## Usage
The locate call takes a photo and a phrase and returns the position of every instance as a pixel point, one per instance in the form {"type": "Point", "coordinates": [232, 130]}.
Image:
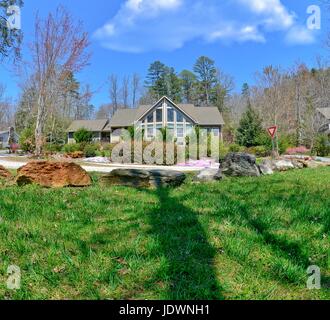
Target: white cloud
{"type": "Point", "coordinates": [300, 35]}
{"type": "Point", "coordinates": [146, 25]}
{"type": "Point", "coordinates": [273, 13]}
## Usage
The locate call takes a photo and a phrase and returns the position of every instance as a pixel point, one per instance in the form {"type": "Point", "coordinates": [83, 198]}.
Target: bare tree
{"type": "Point", "coordinates": [105, 111]}
{"type": "Point", "coordinates": [59, 48]}
{"type": "Point", "coordinates": [7, 110]}
{"type": "Point", "coordinates": [125, 91]}
{"type": "Point", "coordinates": [114, 91]}
{"type": "Point", "coordinates": [136, 81]}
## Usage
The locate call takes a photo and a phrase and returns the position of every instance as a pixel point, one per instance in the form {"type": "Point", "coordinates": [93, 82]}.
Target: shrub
{"type": "Point", "coordinates": [286, 142]}
{"type": "Point", "coordinates": [259, 151]}
{"type": "Point", "coordinates": [250, 128]}
{"type": "Point", "coordinates": [52, 147]}
{"type": "Point", "coordinates": [73, 147]}
{"type": "Point", "coordinates": [27, 140]}
{"type": "Point", "coordinates": [235, 148]}
{"type": "Point", "coordinates": [83, 135]}
{"type": "Point", "coordinates": [322, 145]}
{"type": "Point", "coordinates": [90, 150]}
{"type": "Point", "coordinates": [298, 150]}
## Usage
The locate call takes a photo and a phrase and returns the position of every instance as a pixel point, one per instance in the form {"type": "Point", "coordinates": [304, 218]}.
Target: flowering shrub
{"type": "Point", "coordinates": [297, 150]}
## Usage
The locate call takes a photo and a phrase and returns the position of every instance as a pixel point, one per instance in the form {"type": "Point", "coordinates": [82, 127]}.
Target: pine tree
{"type": "Point", "coordinates": [188, 84]}
{"type": "Point", "coordinates": [10, 39]}
{"type": "Point", "coordinates": [207, 76]}
{"type": "Point", "coordinates": [250, 128]}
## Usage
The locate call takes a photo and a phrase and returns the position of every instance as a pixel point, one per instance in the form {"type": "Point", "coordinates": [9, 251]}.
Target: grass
{"type": "Point", "coordinates": [249, 238]}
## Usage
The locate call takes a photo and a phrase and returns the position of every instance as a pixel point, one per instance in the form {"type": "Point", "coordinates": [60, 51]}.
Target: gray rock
{"type": "Point", "coordinates": [240, 165]}
{"type": "Point", "coordinates": [283, 165]}
{"type": "Point", "coordinates": [209, 175]}
{"type": "Point", "coordinates": [298, 164]}
{"type": "Point", "coordinates": [266, 167]}
{"type": "Point", "coordinates": [143, 178]}
{"type": "Point", "coordinates": [322, 159]}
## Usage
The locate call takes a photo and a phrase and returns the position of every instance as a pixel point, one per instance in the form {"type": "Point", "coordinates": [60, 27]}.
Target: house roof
{"type": "Point", "coordinates": [207, 116]}
{"type": "Point", "coordinates": [325, 112]}
{"type": "Point", "coordinates": [126, 117]}
{"type": "Point", "coordinates": [90, 125]}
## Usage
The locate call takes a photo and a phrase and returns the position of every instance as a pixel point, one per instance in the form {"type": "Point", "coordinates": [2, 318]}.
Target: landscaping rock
{"type": "Point", "coordinates": [4, 173]}
{"type": "Point", "coordinates": [53, 175]}
{"type": "Point", "coordinates": [266, 167]}
{"type": "Point", "coordinates": [314, 164]}
{"type": "Point", "coordinates": [298, 164]}
{"type": "Point", "coordinates": [143, 178]}
{"type": "Point", "coordinates": [283, 165]}
{"type": "Point", "coordinates": [240, 165]}
{"type": "Point", "coordinates": [209, 175]}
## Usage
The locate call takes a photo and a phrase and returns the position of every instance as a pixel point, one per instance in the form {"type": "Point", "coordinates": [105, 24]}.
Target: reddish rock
{"type": "Point", "coordinates": [4, 173]}
{"type": "Point", "coordinates": [53, 175]}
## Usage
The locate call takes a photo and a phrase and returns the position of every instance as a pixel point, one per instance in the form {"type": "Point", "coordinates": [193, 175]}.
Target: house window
{"type": "Point", "coordinates": [216, 132]}
{"type": "Point", "coordinates": [179, 131]}
{"type": "Point", "coordinates": [179, 117]}
{"type": "Point", "coordinates": [150, 132]}
{"type": "Point", "coordinates": [159, 115]}
{"type": "Point", "coordinates": [170, 115]}
{"type": "Point", "coordinates": [189, 129]}
{"type": "Point", "coordinates": [150, 118]}
{"type": "Point", "coordinates": [70, 136]}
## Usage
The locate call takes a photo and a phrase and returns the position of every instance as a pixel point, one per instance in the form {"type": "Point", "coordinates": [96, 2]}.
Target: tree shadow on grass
{"type": "Point", "coordinates": [182, 241]}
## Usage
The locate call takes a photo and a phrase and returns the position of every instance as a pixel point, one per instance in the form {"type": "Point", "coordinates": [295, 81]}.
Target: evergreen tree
{"type": "Point", "coordinates": [10, 39]}
{"type": "Point", "coordinates": [189, 85]}
{"type": "Point", "coordinates": [250, 128]}
{"type": "Point", "coordinates": [207, 76]}
{"type": "Point", "coordinates": [155, 79]}
{"type": "Point", "coordinates": [163, 81]}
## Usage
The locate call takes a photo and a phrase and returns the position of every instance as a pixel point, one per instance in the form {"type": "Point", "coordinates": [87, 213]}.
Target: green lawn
{"type": "Point", "coordinates": [243, 238]}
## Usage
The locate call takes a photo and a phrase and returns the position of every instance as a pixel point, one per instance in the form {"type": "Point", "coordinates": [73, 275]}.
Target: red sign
{"type": "Point", "coordinates": [272, 131]}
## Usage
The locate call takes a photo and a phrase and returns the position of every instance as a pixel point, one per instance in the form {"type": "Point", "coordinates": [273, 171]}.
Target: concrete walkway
{"type": "Point", "coordinates": [106, 168]}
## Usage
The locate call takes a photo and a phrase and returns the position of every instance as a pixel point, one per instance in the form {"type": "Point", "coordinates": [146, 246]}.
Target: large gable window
{"type": "Point", "coordinates": [159, 115]}
{"type": "Point", "coordinates": [170, 115]}
{"type": "Point", "coordinates": [150, 118]}
{"type": "Point", "coordinates": [179, 117]}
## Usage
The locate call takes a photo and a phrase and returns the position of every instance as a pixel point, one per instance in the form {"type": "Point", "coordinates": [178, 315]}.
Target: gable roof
{"type": "Point", "coordinates": [90, 125]}
{"type": "Point", "coordinates": [207, 116]}
{"type": "Point", "coordinates": [325, 112]}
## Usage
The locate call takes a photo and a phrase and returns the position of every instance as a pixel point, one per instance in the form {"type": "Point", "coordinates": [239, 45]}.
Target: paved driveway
{"type": "Point", "coordinates": [106, 168]}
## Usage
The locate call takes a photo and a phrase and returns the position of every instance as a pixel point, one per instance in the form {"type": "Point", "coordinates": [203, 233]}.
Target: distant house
{"type": "Point", "coordinates": [323, 115]}
{"type": "Point", "coordinates": [95, 126]}
{"type": "Point", "coordinates": [4, 138]}
{"type": "Point", "coordinates": [179, 119]}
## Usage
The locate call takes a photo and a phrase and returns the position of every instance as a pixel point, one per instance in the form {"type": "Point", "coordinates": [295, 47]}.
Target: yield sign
{"type": "Point", "coordinates": [272, 131]}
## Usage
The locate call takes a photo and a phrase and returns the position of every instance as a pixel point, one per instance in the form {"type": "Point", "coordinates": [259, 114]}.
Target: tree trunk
{"type": "Point", "coordinates": [40, 126]}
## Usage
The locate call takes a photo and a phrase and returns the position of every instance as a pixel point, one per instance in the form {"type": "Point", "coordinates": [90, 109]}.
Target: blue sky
{"type": "Point", "coordinates": [242, 36]}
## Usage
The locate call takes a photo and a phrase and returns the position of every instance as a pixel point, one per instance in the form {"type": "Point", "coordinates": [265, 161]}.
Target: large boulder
{"type": "Point", "coordinates": [143, 178]}
{"type": "Point", "coordinates": [240, 165]}
{"type": "Point", "coordinates": [4, 173]}
{"type": "Point", "coordinates": [53, 174]}
{"type": "Point", "coordinates": [266, 167]}
{"type": "Point", "coordinates": [283, 165]}
{"type": "Point", "coordinates": [209, 174]}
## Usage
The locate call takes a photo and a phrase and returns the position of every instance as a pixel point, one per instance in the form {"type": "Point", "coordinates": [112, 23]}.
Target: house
{"type": "Point", "coordinates": [323, 115]}
{"type": "Point", "coordinates": [95, 126]}
{"type": "Point", "coordinates": [179, 119]}
{"type": "Point", "coordinates": [5, 138]}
